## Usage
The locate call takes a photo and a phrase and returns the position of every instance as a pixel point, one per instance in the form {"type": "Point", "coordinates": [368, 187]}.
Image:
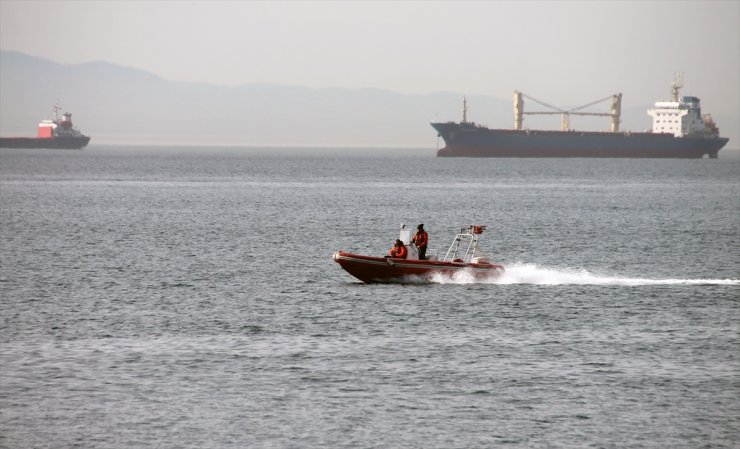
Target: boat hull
{"type": "Point", "coordinates": [469, 140]}
{"type": "Point", "coordinates": [371, 269]}
{"type": "Point", "coordinates": [55, 143]}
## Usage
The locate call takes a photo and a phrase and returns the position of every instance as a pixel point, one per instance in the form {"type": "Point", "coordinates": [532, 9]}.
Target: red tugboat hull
{"type": "Point", "coordinates": [371, 269]}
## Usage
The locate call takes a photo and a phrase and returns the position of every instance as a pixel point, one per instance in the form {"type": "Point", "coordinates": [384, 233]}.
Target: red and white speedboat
{"type": "Point", "coordinates": [462, 258]}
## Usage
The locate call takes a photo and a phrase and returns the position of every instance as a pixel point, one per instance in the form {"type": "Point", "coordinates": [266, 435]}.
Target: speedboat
{"type": "Point", "coordinates": [462, 258]}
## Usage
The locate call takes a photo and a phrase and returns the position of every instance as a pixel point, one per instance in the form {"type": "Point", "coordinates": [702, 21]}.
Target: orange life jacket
{"type": "Point", "coordinates": [399, 251]}
{"type": "Point", "coordinates": [421, 239]}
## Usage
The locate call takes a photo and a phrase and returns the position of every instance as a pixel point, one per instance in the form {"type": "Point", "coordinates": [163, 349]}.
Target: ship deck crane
{"type": "Point", "coordinates": [616, 110]}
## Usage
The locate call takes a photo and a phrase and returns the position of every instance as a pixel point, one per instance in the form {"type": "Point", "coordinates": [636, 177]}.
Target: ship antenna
{"type": "Point", "coordinates": [465, 109]}
{"type": "Point", "coordinates": [676, 85]}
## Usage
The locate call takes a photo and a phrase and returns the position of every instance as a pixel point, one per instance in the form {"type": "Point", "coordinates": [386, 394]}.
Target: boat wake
{"type": "Point", "coordinates": [527, 273]}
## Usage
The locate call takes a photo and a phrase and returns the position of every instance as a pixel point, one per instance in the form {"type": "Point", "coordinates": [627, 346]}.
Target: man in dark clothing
{"type": "Point", "coordinates": [421, 238]}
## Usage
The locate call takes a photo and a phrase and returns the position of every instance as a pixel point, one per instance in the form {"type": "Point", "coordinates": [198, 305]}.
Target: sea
{"type": "Point", "coordinates": [186, 297]}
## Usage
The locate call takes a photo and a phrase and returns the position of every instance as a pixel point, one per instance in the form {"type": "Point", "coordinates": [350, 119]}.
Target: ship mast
{"type": "Point", "coordinates": [56, 108]}
{"type": "Point", "coordinates": [676, 85]}
{"type": "Point", "coordinates": [518, 110]}
{"type": "Point", "coordinates": [465, 110]}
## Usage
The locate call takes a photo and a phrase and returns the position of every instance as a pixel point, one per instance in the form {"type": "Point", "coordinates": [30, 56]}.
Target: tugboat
{"type": "Point", "coordinates": [462, 256]}
{"type": "Point", "coordinates": [54, 134]}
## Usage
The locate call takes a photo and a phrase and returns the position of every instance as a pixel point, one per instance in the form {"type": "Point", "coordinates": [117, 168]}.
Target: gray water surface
{"type": "Point", "coordinates": [186, 297]}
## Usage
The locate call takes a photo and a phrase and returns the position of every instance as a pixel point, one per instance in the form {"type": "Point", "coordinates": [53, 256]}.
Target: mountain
{"type": "Point", "coordinates": [117, 104]}
{"type": "Point", "coordinates": [122, 105]}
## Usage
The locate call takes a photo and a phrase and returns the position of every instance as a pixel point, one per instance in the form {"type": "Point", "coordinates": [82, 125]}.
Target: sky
{"type": "Point", "coordinates": [565, 53]}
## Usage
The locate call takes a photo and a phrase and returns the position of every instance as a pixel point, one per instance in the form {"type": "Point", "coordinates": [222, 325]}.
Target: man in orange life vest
{"type": "Point", "coordinates": [398, 250]}
{"type": "Point", "coordinates": [421, 238]}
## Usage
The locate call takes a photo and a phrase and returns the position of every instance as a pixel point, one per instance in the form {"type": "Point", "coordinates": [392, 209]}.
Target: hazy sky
{"type": "Point", "coordinates": [566, 53]}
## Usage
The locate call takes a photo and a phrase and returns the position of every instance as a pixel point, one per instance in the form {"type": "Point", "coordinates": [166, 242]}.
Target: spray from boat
{"type": "Point", "coordinates": [532, 274]}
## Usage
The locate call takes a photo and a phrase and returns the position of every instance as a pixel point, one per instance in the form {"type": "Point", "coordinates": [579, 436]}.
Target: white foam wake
{"type": "Point", "coordinates": [527, 273]}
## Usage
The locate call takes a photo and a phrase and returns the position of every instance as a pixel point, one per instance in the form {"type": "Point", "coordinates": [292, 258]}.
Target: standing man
{"type": "Point", "coordinates": [421, 238]}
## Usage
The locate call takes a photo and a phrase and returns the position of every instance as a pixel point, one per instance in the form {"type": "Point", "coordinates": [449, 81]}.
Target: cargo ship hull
{"type": "Point", "coordinates": [469, 140]}
{"type": "Point", "coordinates": [57, 143]}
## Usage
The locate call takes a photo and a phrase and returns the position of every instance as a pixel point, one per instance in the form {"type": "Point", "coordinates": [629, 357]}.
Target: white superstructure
{"type": "Point", "coordinates": [682, 116]}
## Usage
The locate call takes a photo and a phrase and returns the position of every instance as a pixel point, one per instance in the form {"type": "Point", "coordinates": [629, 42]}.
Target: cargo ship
{"type": "Point", "coordinates": [55, 134]}
{"type": "Point", "coordinates": [679, 131]}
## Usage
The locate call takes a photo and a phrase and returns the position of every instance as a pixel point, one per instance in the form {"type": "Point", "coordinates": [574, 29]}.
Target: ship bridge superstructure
{"type": "Point", "coordinates": [682, 116]}
{"type": "Point", "coordinates": [57, 127]}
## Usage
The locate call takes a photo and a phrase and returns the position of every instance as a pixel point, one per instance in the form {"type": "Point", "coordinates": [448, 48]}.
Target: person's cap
{"type": "Point", "coordinates": [420, 226]}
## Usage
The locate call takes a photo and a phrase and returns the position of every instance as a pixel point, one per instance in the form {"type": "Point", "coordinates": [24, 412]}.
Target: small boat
{"type": "Point", "coordinates": [462, 258]}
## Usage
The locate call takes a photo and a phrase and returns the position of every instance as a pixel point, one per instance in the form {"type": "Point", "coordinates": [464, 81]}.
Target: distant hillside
{"type": "Point", "coordinates": [116, 104]}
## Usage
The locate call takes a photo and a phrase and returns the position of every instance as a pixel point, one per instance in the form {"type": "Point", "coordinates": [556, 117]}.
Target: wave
{"type": "Point", "coordinates": [528, 273]}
